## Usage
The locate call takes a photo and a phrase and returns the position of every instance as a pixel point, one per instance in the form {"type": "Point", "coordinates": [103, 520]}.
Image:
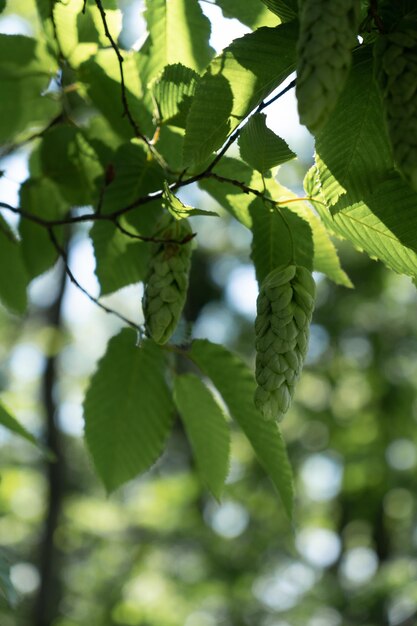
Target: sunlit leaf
{"type": "Point", "coordinates": [253, 14]}
{"type": "Point", "coordinates": [235, 82]}
{"type": "Point", "coordinates": [285, 9]}
{"type": "Point", "coordinates": [260, 147]}
{"type": "Point", "coordinates": [178, 33]}
{"type": "Point", "coordinates": [79, 33]}
{"type": "Point", "coordinates": [377, 226]}
{"type": "Point", "coordinates": [173, 91]}
{"type": "Point", "coordinates": [180, 210]}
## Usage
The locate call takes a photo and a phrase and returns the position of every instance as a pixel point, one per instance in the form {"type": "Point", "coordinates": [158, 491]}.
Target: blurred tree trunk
{"type": "Point", "coordinates": [46, 606]}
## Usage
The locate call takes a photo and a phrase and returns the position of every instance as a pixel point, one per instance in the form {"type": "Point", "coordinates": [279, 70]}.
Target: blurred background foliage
{"type": "Point", "coordinates": [162, 551]}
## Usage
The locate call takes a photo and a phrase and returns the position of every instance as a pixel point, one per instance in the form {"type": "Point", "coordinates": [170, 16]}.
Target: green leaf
{"type": "Point", "coordinates": [39, 197]}
{"type": "Point", "coordinates": [253, 14]}
{"type": "Point", "coordinates": [179, 210]}
{"type": "Point", "coordinates": [71, 162]}
{"type": "Point", "coordinates": [285, 9]}
{"type": "Point", "coordinates": [353, 150]}
{"type": "Point", "coordinates": [13, 275]}
{"type": "Point", "coordinates": [280, 237]}
{"type": "Point", "coordinates": [260, 147]}
{"type": "Point", "coordinates": [178, 33]}
{"type": "Point", "coordinates": [229, 195]}
{"type": "Point", "coordinates": [376, 225]}
{"type": "Point", "coordinates": [2, 5]}
{"type": "Point", "coordinates": [235, 82]}
{"type": "Point", "coordinates": [206, 428]}
{"type": "Point", "coordinates": [325, 259]}
{"type": "Point", "coordinates": [173, 91]}
{"type": "Point", "coordinates": [100, 78]}
{"type": "Point", "coordinates": [8, 421]}
{"type": "Point", "coordinates": [236, 384]}
{"type": "Point", "coordinates": [25, 72]}
{"type": "Point", "coordinates": [120, 259]}
{"type": "Point", "coordinates": [80, 33]}
{"type": "Point", "coordinates": [134, 175]}
{"type": "Point", "coordinates": [7, 589]}
{"type": "Point", "coordinates": [128, 409]}
{"type": "Point", "coordinates": [169, 145]}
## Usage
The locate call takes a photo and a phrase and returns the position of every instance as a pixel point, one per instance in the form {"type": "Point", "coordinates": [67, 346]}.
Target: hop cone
{"type": "Point", "coordinates": [167, 280]}
{"type": "Point", "coordinates": [284, 309]}
{"type": "Point", "coordinates": [327, 36]}
{"type": "Point", "coordinates": [396, 70]}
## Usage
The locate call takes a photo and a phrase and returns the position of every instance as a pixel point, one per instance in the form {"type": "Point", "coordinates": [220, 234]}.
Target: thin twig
{"type": "Point", "coordinates": [64, 256]}
{"type": "Point", "coordinates": [154, 195]}
{"type": "Point", "coordinates": [373, 12]}
{"type": "Point", "coordinates": [232, 138]}
{"type": "Point", "coordinates": [267, 103]}
{"type": "Point", "coordinates": [120, 59]}
{"type": "Point", "coordinates": [152, 238]}
{"type": "Point", "coordinates": [8, 150]}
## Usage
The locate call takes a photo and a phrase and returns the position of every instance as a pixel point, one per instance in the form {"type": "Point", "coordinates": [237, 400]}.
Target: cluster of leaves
{"type": "Point", "coordinates": [121, 131]}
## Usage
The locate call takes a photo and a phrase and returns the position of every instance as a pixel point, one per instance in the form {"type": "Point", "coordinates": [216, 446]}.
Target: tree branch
{"type": "Point", "coordinates": [234, 136]}
{"type": "Point", "coordinates": [9, 149]}
{"type": "Point", "coordinates": [64, 256]}
{"type": "Point", "coordinates": [142, 200]}
{"type": "Point", "coordinates": [152, 239]}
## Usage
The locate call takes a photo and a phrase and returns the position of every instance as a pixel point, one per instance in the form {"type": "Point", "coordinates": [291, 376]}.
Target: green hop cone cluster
{"type": "Point", "coordinates": [396, 72]}
{"type": "Point", "coordinates": [284, 309]}
{"type": "Point", "coordinates": [327, 36]}
{"type": "Point", "coordinates": [167, 281]}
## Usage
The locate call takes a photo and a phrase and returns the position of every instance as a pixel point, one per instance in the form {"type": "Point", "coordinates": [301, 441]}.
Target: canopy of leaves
{"type": "Point", "coordinates": [111, 128]}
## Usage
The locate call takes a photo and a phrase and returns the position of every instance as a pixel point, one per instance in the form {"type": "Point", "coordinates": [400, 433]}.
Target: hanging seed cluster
{"type": "Point", "coordinates": [396, 71]}
{"type": "Point", "coordinates": [284, 309]}
{"type": "Point", "coordinates": [167, 281]}
{"type": "Point", "coordinates": [327, 36]}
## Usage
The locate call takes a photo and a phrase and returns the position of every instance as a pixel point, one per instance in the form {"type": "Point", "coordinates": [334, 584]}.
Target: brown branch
{"type": "Point", "coordinates": [64, 256]}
